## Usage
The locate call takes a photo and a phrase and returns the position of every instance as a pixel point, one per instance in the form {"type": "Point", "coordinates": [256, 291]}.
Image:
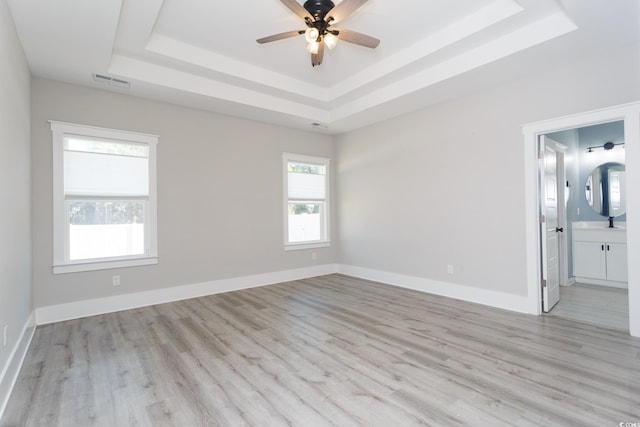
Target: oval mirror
{"type": "Point", "coordinates": [605, 189]}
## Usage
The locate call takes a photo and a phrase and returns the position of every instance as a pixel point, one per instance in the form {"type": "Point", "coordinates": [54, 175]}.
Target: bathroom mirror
{"type": "Point", "coordinates": [605, 189]}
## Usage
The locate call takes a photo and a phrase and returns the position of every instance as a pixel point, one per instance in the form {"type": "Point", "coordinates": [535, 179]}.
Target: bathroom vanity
{"type": "Point", "coordinates": [600, 253]}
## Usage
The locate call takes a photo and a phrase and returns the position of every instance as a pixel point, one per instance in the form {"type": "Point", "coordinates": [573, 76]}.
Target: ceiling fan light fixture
{"type": "Point", "coordinates": [311, 35]}
{"type": "Point", "coordinates": [313, 47]}
{"type": "Point", "coordinates": [319, 17]}
{"type": "Point", "coordinates": [330, 41]}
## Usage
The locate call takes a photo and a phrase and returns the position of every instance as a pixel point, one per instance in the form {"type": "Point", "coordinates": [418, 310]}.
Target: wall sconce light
{"type": "Point", "coordinates": [606, 146]}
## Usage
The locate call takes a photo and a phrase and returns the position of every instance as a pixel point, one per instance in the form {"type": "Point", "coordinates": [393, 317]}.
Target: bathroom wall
{"type": "Point", "coordinates": [596, 136]}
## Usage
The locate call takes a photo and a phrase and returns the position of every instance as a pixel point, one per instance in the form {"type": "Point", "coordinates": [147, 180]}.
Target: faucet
{"type": "Point", "coordinates": [611, 222]}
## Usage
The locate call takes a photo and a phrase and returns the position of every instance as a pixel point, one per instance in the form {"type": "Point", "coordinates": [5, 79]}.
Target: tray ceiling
{"type": "Point", "coordinates": [204, 54]}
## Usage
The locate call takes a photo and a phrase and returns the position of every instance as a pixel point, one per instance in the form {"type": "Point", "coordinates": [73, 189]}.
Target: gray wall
{"type": "Point", "coordinates": [446, 185]}
{"type": "Point", "coordinates": [219, 193]}
{"type": "Point", "coordinates": [15, 187]}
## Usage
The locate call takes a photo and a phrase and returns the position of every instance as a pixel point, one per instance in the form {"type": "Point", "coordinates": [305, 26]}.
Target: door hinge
{"type": "Point", "coordinates": [540, 154]}
{"type": "Point", "coordinates": [543, 219]}
{"type": "Point", "coordinates": [544, 283]}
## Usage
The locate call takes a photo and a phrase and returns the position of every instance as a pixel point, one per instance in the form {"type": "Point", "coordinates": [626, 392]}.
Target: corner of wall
{"type": "Point", "coordinates": [519, 304]}
{"type": "Point", "coordinates": [9, 374]}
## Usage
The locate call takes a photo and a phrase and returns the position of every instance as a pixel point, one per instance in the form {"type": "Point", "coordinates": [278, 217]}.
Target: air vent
{"type": "Point", "coordinates": [319, 125]}
{"type": "Point", "coordinates": [111, 81]}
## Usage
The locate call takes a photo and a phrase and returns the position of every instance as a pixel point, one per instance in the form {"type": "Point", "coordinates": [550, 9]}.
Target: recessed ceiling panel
{"type": "Point", "coordinates": [231, 31]}
{"type": "Point", "coordinates": [204, 53]}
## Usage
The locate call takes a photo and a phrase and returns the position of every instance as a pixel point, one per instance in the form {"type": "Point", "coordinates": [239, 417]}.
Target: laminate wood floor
{"type": "Point", "coordinates": [326, 351]}
{"type": "Point", "coordinates": [599, 305]}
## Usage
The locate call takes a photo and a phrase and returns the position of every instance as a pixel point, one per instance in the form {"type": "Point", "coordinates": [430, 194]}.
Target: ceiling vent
{"type": "Point", "coordinates": [111, 81]}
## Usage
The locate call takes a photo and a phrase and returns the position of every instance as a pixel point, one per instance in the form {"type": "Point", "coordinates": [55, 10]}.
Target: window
{"type": "Point", "coordinates": [306, 189]}
{"type": "Point", "coordinates": [104, 201]}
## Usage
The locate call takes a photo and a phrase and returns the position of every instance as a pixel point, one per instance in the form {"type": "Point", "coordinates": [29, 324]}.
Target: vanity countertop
{"type": "Point", "coordinates": [598, 225]}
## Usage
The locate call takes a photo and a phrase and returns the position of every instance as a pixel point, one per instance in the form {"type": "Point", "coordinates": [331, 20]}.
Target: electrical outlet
{"type": "Point", "coordinates": [4, 339]}
{"type": "Point", "coordinates": [450, 269]}
{"type": "Point", "coordinates": [116, 280]}
{"type": "Point", "coordinates": [314, 256]}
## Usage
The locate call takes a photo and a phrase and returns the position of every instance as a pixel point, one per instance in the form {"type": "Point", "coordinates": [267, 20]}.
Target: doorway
{"type": "Point", "coordinates": [629, 114]}
{"type": "Point", "coordinates": [593, 184]}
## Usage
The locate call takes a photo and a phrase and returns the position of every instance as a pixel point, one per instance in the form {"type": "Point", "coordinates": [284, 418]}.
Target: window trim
{"type": "Point", "coordinates": [60, 225]}
{"type": "Point", "coordinates": [302, 158]}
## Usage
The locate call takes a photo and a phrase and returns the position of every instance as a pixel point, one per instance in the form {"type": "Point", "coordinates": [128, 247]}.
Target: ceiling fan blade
{"type": "Point", "coordinates": [279, 36]}
{"type": "Point", "coordinates": [358, 38]}
{"type": "Point", "coordinates": [316, 58]}
{"type": "Point", "coordinates": [296, 8]}
{"type": "Point", "coordinates": [344, 9]}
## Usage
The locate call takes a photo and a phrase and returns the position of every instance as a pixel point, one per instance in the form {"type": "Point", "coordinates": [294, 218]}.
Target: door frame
{"type": "Point", "coordinates": [630, 114]}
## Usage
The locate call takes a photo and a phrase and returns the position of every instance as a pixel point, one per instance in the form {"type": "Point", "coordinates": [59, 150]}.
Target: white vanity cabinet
{"type": "Point", "coordinates": [600, 254]}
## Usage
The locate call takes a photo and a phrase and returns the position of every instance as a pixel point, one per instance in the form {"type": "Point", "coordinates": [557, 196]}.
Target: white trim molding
{"type": "Point", "coordinates": [599, 282]}
{"type": "Point", "coordinates": [9, 373]}
{"type": "Point", "coordinates": [92, 307]}
{"type": "Point", "coordinates": [486, 297]}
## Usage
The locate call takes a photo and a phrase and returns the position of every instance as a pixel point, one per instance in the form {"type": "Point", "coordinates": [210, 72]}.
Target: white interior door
{"type": "Point", "coordinates": [551, 222]}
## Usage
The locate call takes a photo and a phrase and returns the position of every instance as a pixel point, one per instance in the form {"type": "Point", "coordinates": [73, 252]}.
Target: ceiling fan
{"type": "Point", "coordinates": [320, 16]}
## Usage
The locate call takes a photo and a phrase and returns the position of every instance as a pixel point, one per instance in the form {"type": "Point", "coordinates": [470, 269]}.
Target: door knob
{"type": "Point", "coordinates": [559, 229]}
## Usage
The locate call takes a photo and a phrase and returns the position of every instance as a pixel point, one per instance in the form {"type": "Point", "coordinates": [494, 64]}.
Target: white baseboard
{"type": "Point", "coordinates": [92, 307]}
{"type": "Point", "coordinates": [608, 283]}
{"type": "Point", "coordinates": [85, 308]}
{"type": "Point", "coordinates": [520, 304]}
{"type": "Point", "coordinates": [10, 371]}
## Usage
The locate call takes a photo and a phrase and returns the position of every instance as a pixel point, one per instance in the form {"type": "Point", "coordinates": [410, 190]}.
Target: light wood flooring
{"type": "Point", "coordinates": [326, 351]}
{"type": "Point", "coordinates": [599, 305]}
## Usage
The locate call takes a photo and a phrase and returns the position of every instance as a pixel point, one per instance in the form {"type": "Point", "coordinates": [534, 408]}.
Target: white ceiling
{"type": "Point", "coordinates": [203, 53]}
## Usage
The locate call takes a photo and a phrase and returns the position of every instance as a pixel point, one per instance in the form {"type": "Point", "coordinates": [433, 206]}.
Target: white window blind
{"type": "Point", "coordinates": [105, 174]}
{"type": "Point", "coordinates": [307, 185]}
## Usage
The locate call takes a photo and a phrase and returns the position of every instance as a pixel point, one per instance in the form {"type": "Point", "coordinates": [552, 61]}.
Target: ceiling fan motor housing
{"type": "Point", "coordinates": [318, 8]}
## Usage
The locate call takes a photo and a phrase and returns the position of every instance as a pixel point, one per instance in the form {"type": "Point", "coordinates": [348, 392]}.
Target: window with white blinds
{"type": "Point", "coordinates": [104, 198]}
{"type": "Point", "coordinates": [306, 192]}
